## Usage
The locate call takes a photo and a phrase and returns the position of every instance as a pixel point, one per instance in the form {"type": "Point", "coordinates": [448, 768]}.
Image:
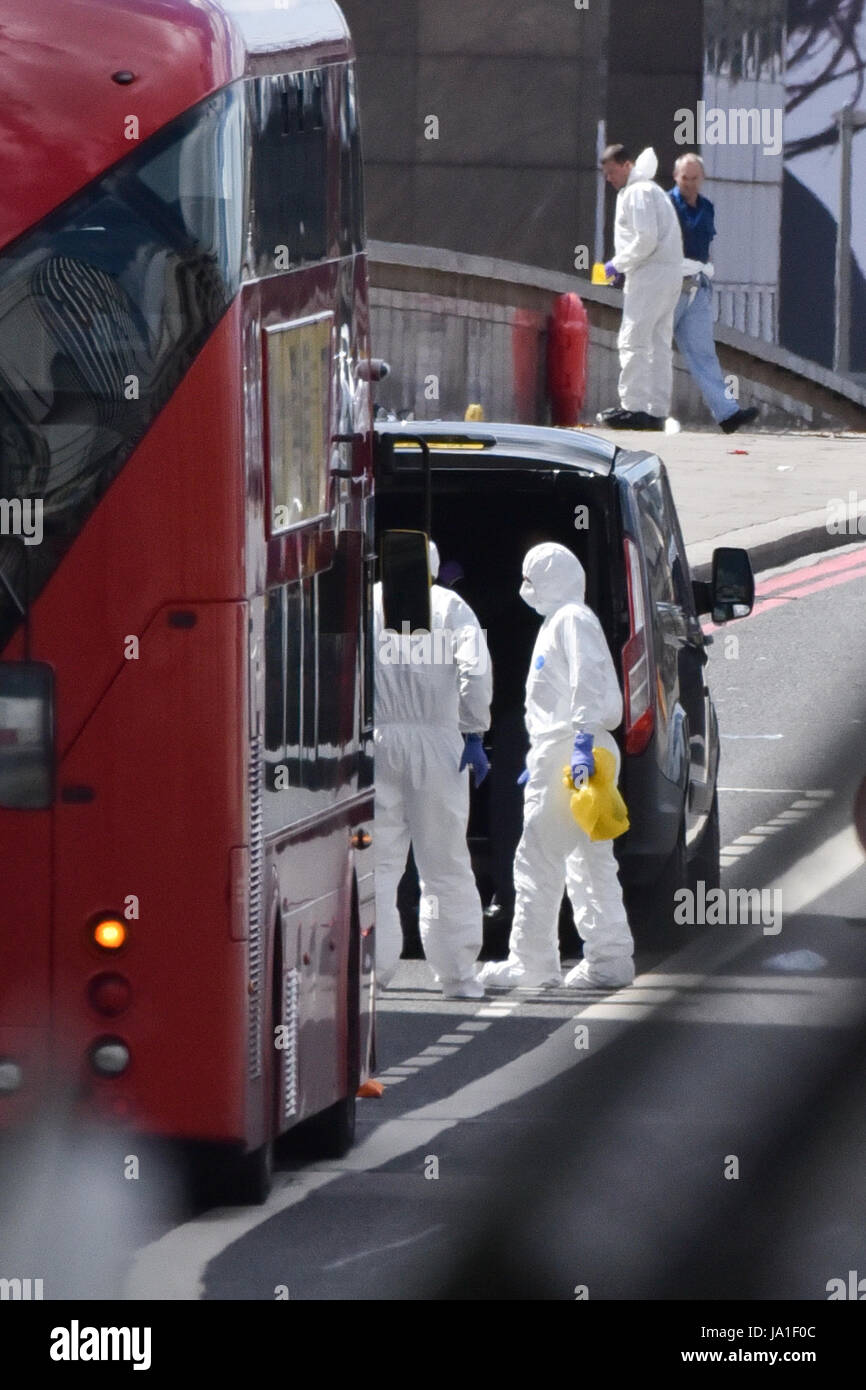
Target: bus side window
{"type": "Point", "coordinates": [294, 674]}
{"type": "Point", "coordinates": [289, 171]}
{"type": "Point", "coordinates": [275, 685]}
{"type": "Point", "coordinates": [352, 232]}
{"type": "Point", "coordinates": [337, 678]}
{"type": "Point", "coordinates": [309, 683]}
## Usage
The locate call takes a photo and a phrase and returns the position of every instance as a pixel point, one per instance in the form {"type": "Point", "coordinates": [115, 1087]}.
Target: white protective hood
{"type": "Point", "coordinates": [553, 576]}
{"type": "Point", "coordinates": [645, 166]}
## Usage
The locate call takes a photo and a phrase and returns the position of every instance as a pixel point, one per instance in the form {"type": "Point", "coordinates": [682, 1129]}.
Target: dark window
{"type": "Point", "coordinates": [680, 565]}
{"type": "Point", "coordinates": [658, 549]}
{"type": "Point", "coordinates": [102, 309]}
{"type": "Point", "coordinates": [294, 674]}
{"type": "Point", "coordinates": [309, 685]}
{"type": "Point", "coordinates": [289, 204]}
{"type": "Point", "coordinates": [338, 656]}
{"type": "Point", "coordinates": [310, 680]}
{"type": "Point", "coordinates": [655, 541]}
{"type": "Point", "coordinates": [351, 173]}
{"type": "Point", "coordinates": [275, 666]}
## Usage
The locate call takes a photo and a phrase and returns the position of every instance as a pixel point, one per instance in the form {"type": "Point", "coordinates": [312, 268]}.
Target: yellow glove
{"type": "Point", "coordinates": [597, 806]}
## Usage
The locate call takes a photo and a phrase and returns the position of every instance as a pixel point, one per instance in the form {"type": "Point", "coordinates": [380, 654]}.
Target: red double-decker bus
{"type": "Point", "coordinates": [186, 908]}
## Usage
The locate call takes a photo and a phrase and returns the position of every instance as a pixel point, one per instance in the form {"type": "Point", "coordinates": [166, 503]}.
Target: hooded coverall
{"type": "Point", "coordinates": [648, 250]}
{"type": "Point", "coordinates": [430, 690]}
{"type": "Point", "coordinates": [571, 688]}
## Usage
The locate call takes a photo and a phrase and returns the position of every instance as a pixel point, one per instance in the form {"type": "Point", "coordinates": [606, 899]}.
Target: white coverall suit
{"type": "Point", "coordinates": [648, 250]}
{"type": "Point", "coordinates": [425, 702]}
{"type": "Point", "coordinates": [571, 688]}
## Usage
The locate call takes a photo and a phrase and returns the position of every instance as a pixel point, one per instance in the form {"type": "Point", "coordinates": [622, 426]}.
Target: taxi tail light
{"type": "Point", "coordinates": [639, 712]}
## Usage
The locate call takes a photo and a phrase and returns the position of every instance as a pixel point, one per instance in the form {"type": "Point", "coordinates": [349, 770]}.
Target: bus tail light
{"type": "Point", "coordinates": [639, 712]}
{"type": "Point", "coordinates": [109, 1056]}
{"type": "Point", "coordinates": [109, 933]}
{"type": "Point", "coordinates": [109, 994]}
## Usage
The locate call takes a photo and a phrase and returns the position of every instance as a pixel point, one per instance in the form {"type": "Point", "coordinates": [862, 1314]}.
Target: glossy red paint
{"type": "Point", "coordinates": [164, 753]}
{"type": "Point", "coordinates": [64, 120]}
{"type": "Point", "coordinates": [169, 525]}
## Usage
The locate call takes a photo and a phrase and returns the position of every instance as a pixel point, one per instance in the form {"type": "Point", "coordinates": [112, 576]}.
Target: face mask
{"type": "Point", "coordinates": [527, 593]}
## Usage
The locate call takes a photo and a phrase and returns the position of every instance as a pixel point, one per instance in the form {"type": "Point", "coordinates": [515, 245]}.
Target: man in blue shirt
{"type": "Point", "coordinates": [693, 316]}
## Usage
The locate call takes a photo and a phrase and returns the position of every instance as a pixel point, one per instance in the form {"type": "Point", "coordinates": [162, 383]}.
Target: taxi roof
{"type": "Point", "coordinates": [489, 443]}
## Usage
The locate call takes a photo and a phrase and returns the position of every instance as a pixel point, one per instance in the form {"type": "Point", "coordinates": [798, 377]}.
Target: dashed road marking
{"type": "Point", "coordinates": [807, 803]}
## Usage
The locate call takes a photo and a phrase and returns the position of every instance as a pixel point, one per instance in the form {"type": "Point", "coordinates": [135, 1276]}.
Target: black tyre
{"type": "Point", "coordinates": [705, 863]}
{"type": "Point", "coordinates": [226, 1177]}
{"type": "Point", "coordinates": [651, 906]}
{"type": "Point", "coordinates": [329, 1134]}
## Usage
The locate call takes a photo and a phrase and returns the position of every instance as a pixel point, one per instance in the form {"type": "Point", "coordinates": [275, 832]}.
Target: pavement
{"type": "Point", "coordinates": [771, 493]}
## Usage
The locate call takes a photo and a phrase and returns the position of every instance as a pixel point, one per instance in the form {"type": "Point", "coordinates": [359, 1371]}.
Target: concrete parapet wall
{"type": "Point", "coordinates": [458, 329]}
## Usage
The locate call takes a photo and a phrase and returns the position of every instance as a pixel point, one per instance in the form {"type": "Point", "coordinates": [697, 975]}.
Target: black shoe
{"type": "Point", "coordinates": [739, 417]}
{"type": "Point", "coordinates": [630, 420]}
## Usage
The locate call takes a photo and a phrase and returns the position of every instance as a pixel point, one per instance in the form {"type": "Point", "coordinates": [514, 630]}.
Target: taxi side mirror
{"type": "Point", "coordinates": [732, 585]}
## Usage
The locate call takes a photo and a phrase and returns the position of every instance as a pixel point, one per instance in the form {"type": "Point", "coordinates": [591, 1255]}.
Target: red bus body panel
{"type": "Point", "coordinates": [147, 624]}
{"type": "Point", "coordinates": [64, 120]}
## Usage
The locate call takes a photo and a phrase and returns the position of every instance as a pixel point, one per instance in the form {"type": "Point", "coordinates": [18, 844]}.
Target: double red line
{"type": "Point", "coordinates": [826, 574]}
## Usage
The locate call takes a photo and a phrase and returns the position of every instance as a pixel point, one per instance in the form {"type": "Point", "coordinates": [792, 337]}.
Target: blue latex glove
{"type": "Point", "coordinates": [523, 778]}
{"type": "Point", "coordinates": [582, 760]}
{"type": "Point", "coordinates": [475, 757]}
{"type": "Point", "coordinates": [610, 270]}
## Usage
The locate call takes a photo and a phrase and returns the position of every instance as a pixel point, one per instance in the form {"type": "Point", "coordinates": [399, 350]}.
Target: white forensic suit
{"type": "Point", "coordinates": [427, 697]}
{"type": "Point", "coordinates": [571, 688]}
{"type": "Point", "coordinates": [648, 250]}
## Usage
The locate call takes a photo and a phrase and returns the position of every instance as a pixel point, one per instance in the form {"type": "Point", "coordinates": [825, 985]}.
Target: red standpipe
{"type": "Point", "coordinates": [567, 348]}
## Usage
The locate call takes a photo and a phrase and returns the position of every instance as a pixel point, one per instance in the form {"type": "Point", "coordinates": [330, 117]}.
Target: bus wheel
{"type": "Point", "coordinates": [227, 1178]}
{"type": "Point", "coordinates": [330, 1134]}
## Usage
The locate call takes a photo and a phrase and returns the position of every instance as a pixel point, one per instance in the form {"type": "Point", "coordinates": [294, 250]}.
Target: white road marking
{"type": "Point", "coordinates": [751, 736]}
{"type": "Point", "coordinates": [380, 1249]}
{"type": "Point", "coordinates": [748, 999]}
{"type": "Point", "coordinates": [757, 834]}
{"type": "Point", "coordinates": [782, 791]}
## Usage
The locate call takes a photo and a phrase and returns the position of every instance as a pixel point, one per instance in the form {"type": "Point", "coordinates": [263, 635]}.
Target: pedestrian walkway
{"type": "Point", "coordinates": [771, 493]}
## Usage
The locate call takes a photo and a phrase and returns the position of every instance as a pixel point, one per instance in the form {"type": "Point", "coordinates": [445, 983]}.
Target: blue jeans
{"type": "Point", "coordinates": [693, 332]}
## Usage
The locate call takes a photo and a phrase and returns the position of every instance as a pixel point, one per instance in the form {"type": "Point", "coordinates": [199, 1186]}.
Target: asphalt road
{"type": "Point", "coordinates": [699, 1135]}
